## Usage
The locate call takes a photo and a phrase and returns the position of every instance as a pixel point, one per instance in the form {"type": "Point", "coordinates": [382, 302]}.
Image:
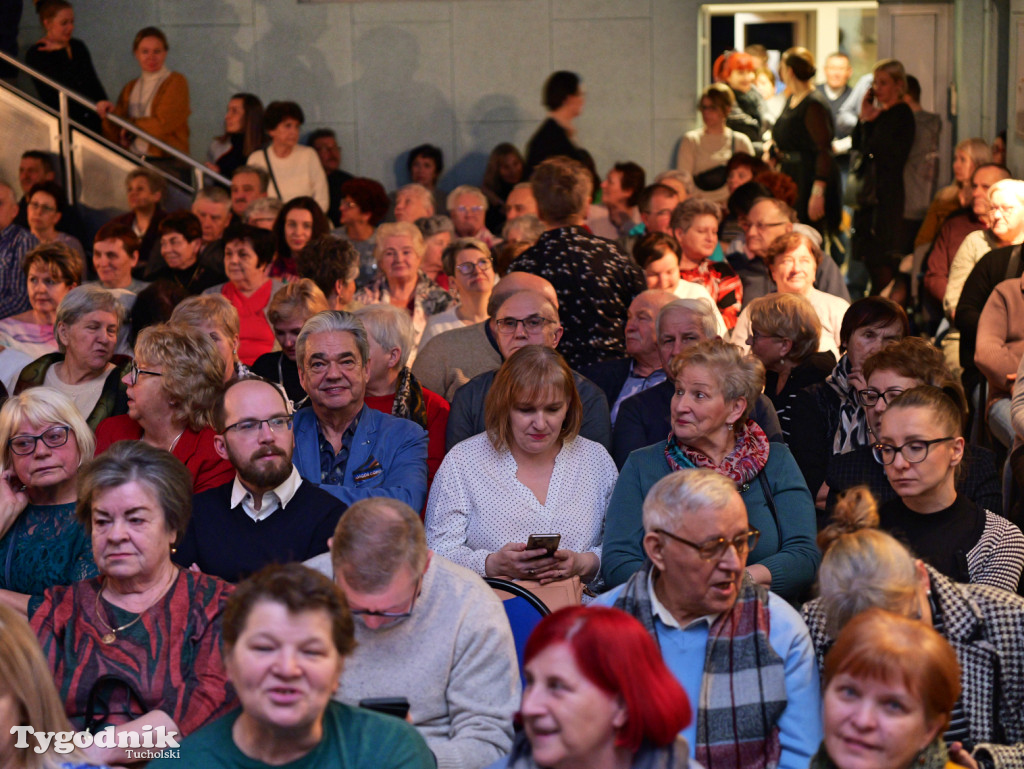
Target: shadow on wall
{"type": "Point", "coordinates": [491, 121]}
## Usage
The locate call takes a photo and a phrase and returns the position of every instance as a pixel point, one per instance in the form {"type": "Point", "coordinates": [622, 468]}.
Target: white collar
{"type": "Point", "coordinates": [272, 500]}
{"type": "Point", "coordinates": [659, 610]}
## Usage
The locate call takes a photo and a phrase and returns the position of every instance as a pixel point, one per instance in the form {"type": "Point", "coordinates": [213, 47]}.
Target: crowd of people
{"type": "Point", "coordinates": [258, 457]}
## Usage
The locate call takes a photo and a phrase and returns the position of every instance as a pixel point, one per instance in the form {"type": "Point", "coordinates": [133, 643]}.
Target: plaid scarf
{"type": "Point", "coordinates": [409, 401]}
{"type": "Point", "coordinates": [852, 432]}
{"type": "Point", "coordinates": [743, 691]}
{"type": "Point", "coordinates": [747, 458]}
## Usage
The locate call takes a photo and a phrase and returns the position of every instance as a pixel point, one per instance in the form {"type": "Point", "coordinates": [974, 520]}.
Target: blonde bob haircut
{"type": "Point", "coordinates": [299, 299]}
{"type": "Point", "coordinates": [25, 677]}
{"type": "Point", "coordinates": [894, 69]}
{"type": "Point", "coordinates": [738, 375]}
{"type": "Point", "coordinates": [39, 406]}
{"type": "Point", "coordinates": [208, 308]}
{"type": "Point", "coordinates": [399, 229]}
{"type": "Point", "coordinates": [193, 372]}
{"type": "Point", "coordinates": [789, 316]}
{"type": "Point", "coordinates": [882, 646]}
{"type": "Point", "coordinates": [528, 375]}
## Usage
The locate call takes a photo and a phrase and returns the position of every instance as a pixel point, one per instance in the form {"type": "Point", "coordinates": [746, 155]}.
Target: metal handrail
{"type": "Point", "coordinates": [63, 95]}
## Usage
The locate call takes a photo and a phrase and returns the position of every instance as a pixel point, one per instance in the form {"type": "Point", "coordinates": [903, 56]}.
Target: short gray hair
{"type": "Point", "coordinates": [390, 327]}
{"type": "Point", "coordinates": [465, 189]}
{"type": "Point", "coordinates": [435, 225]}
{"type": "Point", "coordinates": [264, 206]}
{"type": "Point", "coordinates": [80, 301]}
{"type": "Point", "coordinates": [682, 177]}
{"type": "Point", "coordinates": [374, 539]}
{"type": "Point", "coordinates": [697, 306]}
{"type": "Point", "coordinates": [1014, 187]}
{"type": "Point", "coordinates": [684, 214]}
{"type": "Point", "coordinates": [683, 494]}
{"type": "Point", "coordinates": [425, 195]}
{"type": "Point", "coordinates": [330, 322]}
{"type": "Point", "coordinates": [214, 194]}
{"type": "Point", "coordinates": [528, 226]}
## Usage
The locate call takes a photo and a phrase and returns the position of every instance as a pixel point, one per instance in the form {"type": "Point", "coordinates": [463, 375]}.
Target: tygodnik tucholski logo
{"type": "Point", "coordinates": [146, 744]}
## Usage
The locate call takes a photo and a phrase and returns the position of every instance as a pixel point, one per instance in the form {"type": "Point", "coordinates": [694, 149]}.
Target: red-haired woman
{"type": "Point", "coordinates": [598, 695]}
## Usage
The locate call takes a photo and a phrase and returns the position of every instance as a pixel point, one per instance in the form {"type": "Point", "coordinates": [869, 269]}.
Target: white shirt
{"type": "Point", "coordinates": [296, 175]}
{"type": "Point", "coordinates": [477, 505]}
{"type": "Point", "coordinates": [272, 501]}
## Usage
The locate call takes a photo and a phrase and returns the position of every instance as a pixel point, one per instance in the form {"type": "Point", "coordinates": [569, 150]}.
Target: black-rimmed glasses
{"type": "Point", "coordinates": [714, 549]}
{"type": "Point", "coordinates": [391, 615]}
{"type": "Point", "coordinates": [252, 426]}
{"type": "Point", "coordinates": [54, 437]}
{"type": "Point", "coordinates": [912, 451]}
{"type": "Point", "coordinates": [468, 268]}
{"type": "Point", "coordinates": [532, 324]}
{"type": "Point", "coordinates": [134, 371]}
{"type": "Point", "coordinates": [870, 397]}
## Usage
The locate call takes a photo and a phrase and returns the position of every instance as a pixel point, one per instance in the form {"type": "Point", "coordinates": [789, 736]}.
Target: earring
{"type": "Point", "coordinates": [731, 426]}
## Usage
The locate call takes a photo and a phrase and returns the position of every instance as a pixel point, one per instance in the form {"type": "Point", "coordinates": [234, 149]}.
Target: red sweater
{"type": "Point", "coordinates": [437, 423]}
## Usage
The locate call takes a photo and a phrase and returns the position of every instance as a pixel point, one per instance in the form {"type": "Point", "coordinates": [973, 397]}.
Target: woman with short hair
{"type": "Point", "coordinates": [216, 317]}
{"type": "Point", "coordinates": [658, 255]}
{"type": "Point", "coordinates": [467, 263]}
{"type": "Point", "coordinates": [364, 203]}
{"type": "Point", "coordinates": [697, 222]}
{"type": "Point", "coordinates": [437, 232]}
{"type": "Point", "coordinates": [294, 169]}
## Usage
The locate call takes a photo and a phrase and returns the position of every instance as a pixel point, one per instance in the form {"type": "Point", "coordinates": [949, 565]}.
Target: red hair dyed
{"type": "Point", "coordinates": [617, 655]}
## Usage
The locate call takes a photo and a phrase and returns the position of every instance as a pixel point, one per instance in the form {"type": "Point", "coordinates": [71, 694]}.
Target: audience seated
{"type": "Point", "coordinates": [864, 568]}
{"type": "Point", "coordinates": [467, 207]}
{"type": "Point", "coordinates": [659, 254]}
{"type": "Point", "coordinates": [213, 207]}
{"type": "Point", "coordinates": [391, 387]}
{"type": "Point", "coordinates": [732, 645]}
{"type": "Point", "coordinates": [289, 309]}
{"type": "Point", "coordinates": [529, 471]}
{"type": "Point", "coordinates": [467, 263]}
{"type": "Point", "coordinates": [968, 156]}
{"type": "Point", "coordinates": [294, 169]}
{"type": "Point", "coordinates": [51, 271]}
{"type": "Point", "coordinates": [213, 315]}
{"type": "Point", "coordinates": [351, 450]}
{"type": "Point", "coordinates": [427, 628]}
{"type": "Point", "coordinates": [520, 202]}
{"type": "Point", "coordinates": [695, 227]}
{"type": "Point", "coordinates": [623, 377]}
{"type": "Point", "coordinates": [437, 232]}
{"type": "Point", "coordinates": [594, 281]}
{"type": "Point", "coordinates": [145, 190]}
{"type": "Point", "coordinates": [998, 352]}
{"type": "Point", "coordinates": [425, 164]}
{"type": "Point", "coordinates": [519, 234]}
{"type": "Point", "coordinates": [325, 143]}
{"type": "Point", "coordinates": [172, 386]}
{"type": "Point", "coordinates": [512, 332]}
{"type": "Point", "coordinates": [248, 252]}
{"type": "Point", "coordinates": [299, 221]}
{"type": "Point", "coordinates": [46, 207]}
{"type": "Point", "coordinates": [412, 202]}
{"type": "Point", "coordinates": [248, 184]}
{"type": "Point", "coordinates": [43, 442]}
{"type": "Point", "coordinates": [144, 636]}
{"type": "Point", "coordinates": [85, 368]}
{"type": "Point", "coordinates": [293, 609]}
{"type": "Point", "coordinates": [715, 387]}
{"type": "Point", "coordinates": [503, 172]}
{"type": "Point", "coordinates": [363, 206]}
{"type": "Point", "coordinates": [656, 204]}
{"type": "Point", "coordinates": [620, 194]}
{"type": "Point", "coordinates": [243, 134]}
{"type": "Point", "coordinates": [785, 335]}
{"type": "Point", "coordinates": [644, 418]}
{"type": "Point", "coordinates": [333, 265]}
{"type": "Point", "coordinates": [15, 242]}
{"type": "Point", "coordinates": [34, 166]}
{"type": "Point", "coordinates": [266, 513]}
{"type": "Point", "coordinates": [181, 241]}
{"type": "Point", "coordinates": [115, 253]}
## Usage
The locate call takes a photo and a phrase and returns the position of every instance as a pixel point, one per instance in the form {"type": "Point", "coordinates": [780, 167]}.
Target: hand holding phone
{"type": "Point", "coordinates": [391, 706]}
{"type": "Point", "coordinates": [548, 542]}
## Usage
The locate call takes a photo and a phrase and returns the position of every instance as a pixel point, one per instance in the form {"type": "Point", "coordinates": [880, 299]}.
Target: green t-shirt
{"type": "Point", "coordinates": [354, 738]}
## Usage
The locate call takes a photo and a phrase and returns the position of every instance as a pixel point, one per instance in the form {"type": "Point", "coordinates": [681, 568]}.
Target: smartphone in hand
{"type": "Point", "coordinates": [391, 706]}
{"type": "Point", "coordinates": [548, 542]}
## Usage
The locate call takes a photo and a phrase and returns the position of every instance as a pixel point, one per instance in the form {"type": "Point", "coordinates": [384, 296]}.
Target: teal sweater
{"type": "Point", "coordinates": [793, 561]}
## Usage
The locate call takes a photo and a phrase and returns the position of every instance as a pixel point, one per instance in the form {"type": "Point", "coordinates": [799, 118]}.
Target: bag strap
{"type": "Point", "coordinates": [270, 168]}
{"type": "Point", "coordinates": [771, 504]}
{"type": "Point", "coordinates": [1013, 266]}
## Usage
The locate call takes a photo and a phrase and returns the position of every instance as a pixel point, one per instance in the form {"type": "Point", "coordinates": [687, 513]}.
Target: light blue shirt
{"type": "Point", "coordinates": [683, 650]}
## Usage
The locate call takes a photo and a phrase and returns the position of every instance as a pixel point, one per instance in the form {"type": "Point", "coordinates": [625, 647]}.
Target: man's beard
{"type": "Point", "coordinates": [264, 475]}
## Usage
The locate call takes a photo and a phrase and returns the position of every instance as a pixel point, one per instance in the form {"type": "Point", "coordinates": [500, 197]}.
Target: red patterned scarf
{"type": "Point", "coordinates": [747, 458]}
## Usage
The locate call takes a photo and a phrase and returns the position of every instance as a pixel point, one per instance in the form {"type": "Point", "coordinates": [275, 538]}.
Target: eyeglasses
{"type": "Point", "coordinates": [713, 549]}
{"type": "Point", "coordinates": [468, 268]}
{"type": "Point", "coordinates": [41, 207]}
{"type": "Point", "coordinates": [347, 203]}
{"type": "Point", "coordinates": [756, 337]}
{"type": "Point", "coordinates": [532, 324]}
{"type": "Point", "coordinates": [870, 397]}
{"type": "Point", "coordinates": [912, 451]}
{"type": "Point", "coordinates": [469, 209]}
{"type": "Point", "coordinates": [392, 615]}
{"type": "Point", "coordinates": [134, 371]}
{"type": "Point", "coordinates": [252, 426]}
{"type": "Point", "coordinates": [53, 437]}
{"type": "Point", "coordinates": [766, 225]}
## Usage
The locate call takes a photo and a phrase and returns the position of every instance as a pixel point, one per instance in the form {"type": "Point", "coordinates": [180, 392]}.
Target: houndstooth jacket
{"type": "Point", "coordinates": [985, 626]}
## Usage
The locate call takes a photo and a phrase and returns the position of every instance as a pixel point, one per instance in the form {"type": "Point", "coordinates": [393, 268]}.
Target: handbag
{"type": "Point", "coordinates": [862, 184]}
{"type": "Point", "coordinates": [555, 595]}
{"type": "Point", "coordinates": [715, 178]}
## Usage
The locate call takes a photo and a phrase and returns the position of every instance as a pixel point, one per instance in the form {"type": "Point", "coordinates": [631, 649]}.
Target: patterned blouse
{"type": "Point", "coordinates": [723, 284]}
{"type": "Point", "coordinates": [429, 299]}
{"type": "Point", "coordinates": [171, 658]}
{"type": "Point", "coordinates": [45, 546]}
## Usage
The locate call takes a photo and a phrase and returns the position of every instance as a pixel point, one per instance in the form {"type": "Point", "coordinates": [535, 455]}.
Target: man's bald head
{"type": "Point", "coordinates": [520, 281]}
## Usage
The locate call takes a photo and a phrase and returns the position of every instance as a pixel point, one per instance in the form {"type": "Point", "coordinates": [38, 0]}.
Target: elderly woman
{"type": "Point", "coordinates": [402, 284]}
{"type": "Point", "coordinates": [248, 253]}
{"type": "Point", "coordinates": [864, 568]}
{"type": "Point", "coordinates": [470, 270]}
{"type": "Point", "coordinates": [47, 204]}
{"type": "Point", "coordinates": [214, 316]}
{"type": "Point", "coordinates": [920, 443]}
{"type": "Point", "coordinates": [29, 697]}
{"type": "Point", "coordinates": [300, 221]}
{"type": "Point", "coordinates": [793, 260]}
{"type": "Point", "coordinates": [157, 102]}
{"type": "Point", "coordinates": [659, 255]}
{"type": "Point", "coordinates": [413, 202]}
{"type": "Point", "coordinates": [288, 311]}
{"type": "Point", "coordinates": [392, 388]}
{"type": "Point", "coordinates": [51, 271]}
{"type": "Point", "coordinates": [891, 686]}
{"type": "Point", "coordinates": [716, 388]}
{"type": "Point", "coordinates": [627, 709]}
{"type": "Point", "coordinates": [827, 418]}
{"type": "Point", "coordinates": [529, 473]}
{"type": "Point", "coordinates": [172, 385]}
{"type": "Point", "coordinates": [364, 203]}
{"type": "Point", "coordinates": [294, 169]}
{"type": "Point", "coordinates": [287, 631]}
{"type": "Point", "coordinates": [85, 368]}
{"type": "Point", "coordinates": [784, 335]}
{"type": "Point", "coordinates": [437, 232]}
{"type": "Point", "coordinates": [43, 441]}
{"type": "Point", "coordinates": [695, 225]}
{"type": "Point", "coordinates": [138, 646]}
{"type": "Point", "coordinates": [705, 152]}
{"type": "Point", "coordinates": [897, 367]}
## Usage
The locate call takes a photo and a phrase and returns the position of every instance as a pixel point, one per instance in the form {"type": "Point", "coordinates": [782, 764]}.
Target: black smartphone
{"type": "Point", "coordinates": [392, 706]}
{"type": "Point", "coordinates": [547, 541]}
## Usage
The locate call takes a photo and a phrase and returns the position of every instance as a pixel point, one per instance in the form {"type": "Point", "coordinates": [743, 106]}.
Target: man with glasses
{"type": "Point", "coordinates": [467, 206]}
{"type": "Point", "coordinates": [267, 513]}
{"type": "Point", "coordinates": [426, 630]}
{"type": "Point", "coordinates": [742, 654]}
{"type": "Point", "coordinates": [525, 318]}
